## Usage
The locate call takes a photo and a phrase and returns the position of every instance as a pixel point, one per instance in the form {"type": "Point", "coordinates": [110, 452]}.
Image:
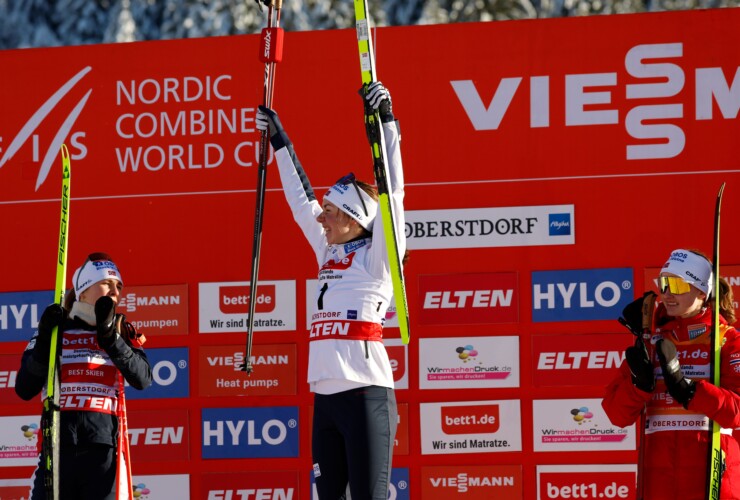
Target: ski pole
{"type": "Point", "coordinates": [50, 413]}
{"type": "Point", "coordinates": [271, 53]}
{"type": "Point", "coordinates": [123, 454]}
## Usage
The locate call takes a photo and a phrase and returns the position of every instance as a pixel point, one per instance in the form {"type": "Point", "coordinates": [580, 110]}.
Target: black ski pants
{"type": "Point", "coordinates": [353, 438]}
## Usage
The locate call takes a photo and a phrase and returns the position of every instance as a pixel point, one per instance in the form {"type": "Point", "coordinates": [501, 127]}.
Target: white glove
{"type": "Point", "coordinates": [263, 124]}
{"type": "Point", "coordinates": [376, 94]}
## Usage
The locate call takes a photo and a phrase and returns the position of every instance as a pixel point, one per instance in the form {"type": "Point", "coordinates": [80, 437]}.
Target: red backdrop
{"type": "Point", "coordinates": [625, 124]}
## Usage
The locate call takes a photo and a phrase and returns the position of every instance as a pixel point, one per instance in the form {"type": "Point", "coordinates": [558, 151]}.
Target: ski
{"type": "Point", "coordinates": [714, 457]}
{"type": "Point", "coordinates": [50, 413]}
{"type": "Point", "coordinates": [380, 166]}
{"type": "Point", "coordinates": [271, 53]}
{"type": "Point", "coordinates": [123, 459]}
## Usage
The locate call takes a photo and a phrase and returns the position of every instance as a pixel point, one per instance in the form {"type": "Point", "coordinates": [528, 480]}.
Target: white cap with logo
{"type": "Point", "coordinates": [97, 267]}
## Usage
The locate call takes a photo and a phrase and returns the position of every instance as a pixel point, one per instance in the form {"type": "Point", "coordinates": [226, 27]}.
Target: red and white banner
{"type": "Point", "coordinates": [544, 162]}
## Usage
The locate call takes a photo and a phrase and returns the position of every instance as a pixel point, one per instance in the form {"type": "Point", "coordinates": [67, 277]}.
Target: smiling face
{"type": "Point", "coordinates": [109, 287]}
{"type": "Point", "coordinates": [338, 226]}
{"type": "Point", "coordinates": [684, 305]}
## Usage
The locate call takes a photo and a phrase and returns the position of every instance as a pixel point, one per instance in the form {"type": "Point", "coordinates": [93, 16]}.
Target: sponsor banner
{"type": "Point", "coordinates": [224, 307]}
{"type": "Point", "coordinates": [250, 485]}
{"type": "Point", "coordinates": [157, 436]}
{"type": "Point", "coordinates": [18, 440]}
{"type": "Point", "coordinates": [312, 294]}
{"type": "Point", "coordinates": [398, 354]}
{"type": "Point", "coordinates": [186, 129]}
{"type": "Point", "coordinates": [580, 295]}
{"type": "Point", "coordinates": [15, 489]}
{"type": "Point", "coordinates": [454, 299]}
{"type": "Point", "coordinates": [577, 425]}
{"type": "Point", "coordinates": [170, 375]}
{"type": "Point", "coordinates": [472, 482]}
{"type": "Point", "coordinates": [398, 489]}
{"type": "Point", "coordinates": [577, 359]}
{"type": "Point", "coordinates": [264, 432]}
{"type": "Point", "coordinates": [157, 309]}
{"type": "Point", "coordinates": [470, 427]}
{"type": "Point", "coordinates": [469, 362]}
{"type": "Point", "coordinates": [490, 227]}
{"type": "Point", "coordinates": [274, 370]}
{"type": "Point", "coordinates": [586, 481]}
{"type": "Point", "coordinates": [161, 487]}
{"type": "Point", "coordinates": [401, 444]}
{"type": "Point", "coordinates": [9, 364]}
{"type": "Point", "coordinates": [20, 313]}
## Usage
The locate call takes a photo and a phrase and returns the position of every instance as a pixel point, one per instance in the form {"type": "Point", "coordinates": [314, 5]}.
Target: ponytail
{"type": "Point", "coordinates": [726, 298]}
{"type": "Point", "coordinates": [726, 301]}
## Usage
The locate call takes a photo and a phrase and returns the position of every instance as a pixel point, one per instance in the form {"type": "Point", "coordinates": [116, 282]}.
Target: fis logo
{"type": "Point", "coordinates": [28, 129]}
{"type": "Point", "coordinates": [581, 295]}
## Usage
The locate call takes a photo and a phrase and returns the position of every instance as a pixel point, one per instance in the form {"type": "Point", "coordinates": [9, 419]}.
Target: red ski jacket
{"type": "Point", "coordinates": [676, 439]}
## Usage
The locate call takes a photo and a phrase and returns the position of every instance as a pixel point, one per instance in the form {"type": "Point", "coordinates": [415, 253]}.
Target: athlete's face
{"type": "Point", "coordinates": [110, 287]}
{"type": "Point", "coordinates": [684, 305]}
{"type": "Point", "coordinates": [338, 226]}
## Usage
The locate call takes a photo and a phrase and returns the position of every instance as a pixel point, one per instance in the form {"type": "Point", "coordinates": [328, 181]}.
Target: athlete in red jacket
{"type": "Point", "coordinates": [672, 377]}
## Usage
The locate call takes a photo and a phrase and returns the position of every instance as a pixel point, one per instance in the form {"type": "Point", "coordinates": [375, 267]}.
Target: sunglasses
{"type": "Point", "coordinates": [350, 179]}
{"type": "Point", "coordinates": [674, 284]}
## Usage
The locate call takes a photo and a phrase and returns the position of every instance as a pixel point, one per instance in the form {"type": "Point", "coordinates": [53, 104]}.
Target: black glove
{"type": "Point", "coordinates": [633, 313]}
{"type": "Point", "coordinates": [681, 388]}
{"type": "Point", "coordinates": [643, 375]}
{"type": "Point", "coordinates": [52, 316]}
{"type": "Point", "coordinates": [105, 319]}
{"type": "Point", "coordinates": [377, 98]}
{"type": "Point", "coordinates": [266, 119]}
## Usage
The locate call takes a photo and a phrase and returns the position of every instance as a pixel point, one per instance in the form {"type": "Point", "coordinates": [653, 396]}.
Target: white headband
{"type": "Point", "coordinates": [691, 267]}
{"type": "Point", "coordinates": [93, 271]}
{"type": "Point", "coordinates": [352, 200]}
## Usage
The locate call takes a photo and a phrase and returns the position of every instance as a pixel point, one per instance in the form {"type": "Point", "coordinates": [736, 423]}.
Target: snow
{"type": "Point", "coordinates": [48, 23]}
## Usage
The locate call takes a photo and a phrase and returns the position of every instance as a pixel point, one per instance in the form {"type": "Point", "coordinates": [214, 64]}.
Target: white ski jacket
{"type": "Point", "coordinates": [354, 288]}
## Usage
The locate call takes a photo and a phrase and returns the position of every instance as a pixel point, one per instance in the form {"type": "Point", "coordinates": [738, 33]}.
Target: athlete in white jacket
{"type": "Point", "coordinates": [355, 413]}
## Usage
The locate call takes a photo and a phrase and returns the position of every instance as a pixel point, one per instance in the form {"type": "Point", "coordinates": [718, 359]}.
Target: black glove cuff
{"type": "Point", "coordinates": [387, 117]}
